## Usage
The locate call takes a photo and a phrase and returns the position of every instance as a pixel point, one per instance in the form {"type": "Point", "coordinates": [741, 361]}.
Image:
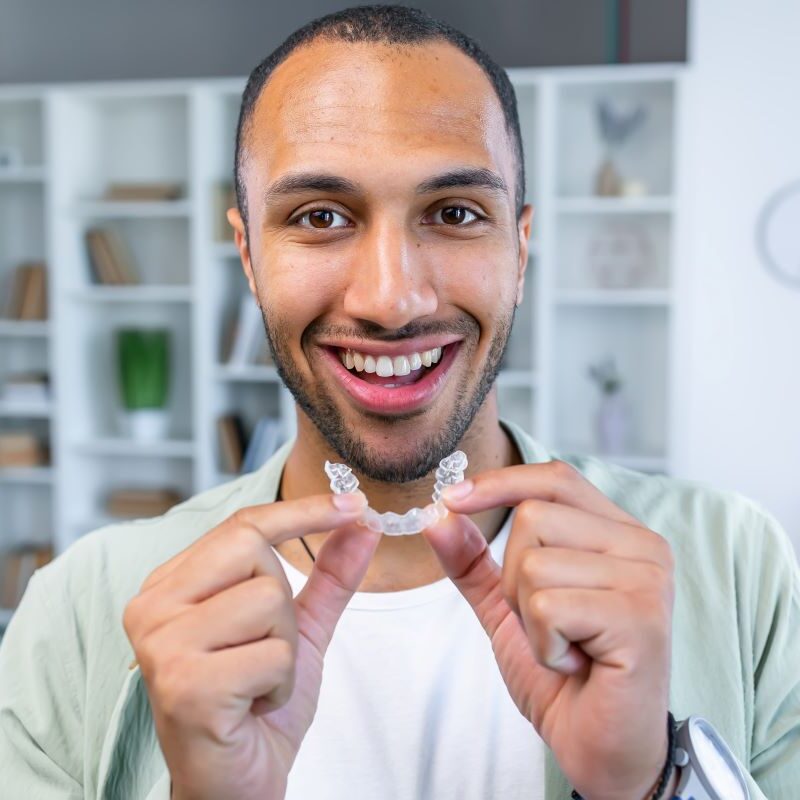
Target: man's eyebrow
{"type": "Point", "coordinates": [297, 182]}
{"type": "Point", "coordinates": [462, 178]}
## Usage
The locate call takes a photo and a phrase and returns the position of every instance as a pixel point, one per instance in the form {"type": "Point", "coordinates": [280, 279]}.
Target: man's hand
{"type": "Point", "coordinates": [232, 663]}
{"type": "Point", "coordinates": [579, 617]}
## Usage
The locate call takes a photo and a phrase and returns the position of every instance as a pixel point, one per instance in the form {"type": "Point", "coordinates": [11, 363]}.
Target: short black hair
{"type": "Point", "coordinates": [398, 25]}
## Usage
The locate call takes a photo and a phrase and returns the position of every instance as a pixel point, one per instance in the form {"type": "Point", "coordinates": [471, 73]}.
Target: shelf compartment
{"type": "Point", "coordinates": [637, 339]}
{"type": "Point", "coordinates": [645, 157]}
{"type": "Point", "coordinates": [21, 129]}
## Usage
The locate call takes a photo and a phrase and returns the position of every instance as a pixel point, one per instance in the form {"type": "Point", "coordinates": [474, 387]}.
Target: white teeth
{"type": "Point", "coordinates": [401, 365]}
{"type": "Point", "coordinates": [384, 367]}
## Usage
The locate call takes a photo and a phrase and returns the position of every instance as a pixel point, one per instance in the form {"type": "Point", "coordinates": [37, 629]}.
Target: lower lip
{"type": "Point", "coordinates": [400, 400]}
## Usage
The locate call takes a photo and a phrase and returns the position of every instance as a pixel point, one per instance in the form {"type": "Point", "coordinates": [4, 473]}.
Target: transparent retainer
{"type": "Point", "coordinates": [415, 520]}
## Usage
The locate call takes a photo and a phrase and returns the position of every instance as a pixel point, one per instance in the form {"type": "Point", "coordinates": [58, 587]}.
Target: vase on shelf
{"type": "Point", "coordinates": [144, 361]}
{"type": "Point", "coordinates": [613, 424]}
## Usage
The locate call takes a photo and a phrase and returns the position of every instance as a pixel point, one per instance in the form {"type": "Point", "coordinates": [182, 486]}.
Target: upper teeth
{"type": "Point", "coordinates": [385, 366]}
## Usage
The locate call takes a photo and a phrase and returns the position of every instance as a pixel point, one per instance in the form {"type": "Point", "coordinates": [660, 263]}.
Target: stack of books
{"type": "Point", "coordinates": [240, 455]}
{"type": "Point", "coordinates": [26, 292]}
{"type": "Point", "coordinates": [245, 342]}
{"type": "Point", "coordinates": [22, 449]}
{"type": "Point", "coordinates": [232, 442]}
{"type": "Point", "coordinates": [110, 258]}
{"type": "Point", "coordinates": [19, 565]}
{"type": "Point", "coordinates": [143, 192]}
{"type": "Point", "coordinates": [135, 502]}
{"type": "Point", "coordinates": [26, 388]}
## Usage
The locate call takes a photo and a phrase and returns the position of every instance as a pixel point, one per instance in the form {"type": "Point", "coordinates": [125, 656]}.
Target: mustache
{"type": "Point", "coordinates": [462, 326]}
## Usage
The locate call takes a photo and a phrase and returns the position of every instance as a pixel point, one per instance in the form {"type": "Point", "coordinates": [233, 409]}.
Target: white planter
{"type": "Point", "coordinates": [146, 424]}
{"type": "Point", "coordinates": [613, 424]}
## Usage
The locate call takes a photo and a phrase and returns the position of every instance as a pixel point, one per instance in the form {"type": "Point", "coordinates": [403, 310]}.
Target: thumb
{"type": "Point", "coordinates": [338, 571]}
{"type": "Point", "coordinates": [465, 556]}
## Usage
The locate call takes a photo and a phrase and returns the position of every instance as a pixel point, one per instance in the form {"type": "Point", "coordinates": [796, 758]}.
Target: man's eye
{"type": "Point", "coordinates": [454, 215]}
{"type": "Point", "coordinates": [321, 218]}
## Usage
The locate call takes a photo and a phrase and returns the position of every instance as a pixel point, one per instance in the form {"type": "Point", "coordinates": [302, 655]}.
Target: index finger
{"type": "Point", "coordinates": [554, 481]}
{"type": "Point", "coordinates": [276, 522]}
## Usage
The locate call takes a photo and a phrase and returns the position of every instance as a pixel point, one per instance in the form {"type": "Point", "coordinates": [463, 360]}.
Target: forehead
{"type": "Point", "coordinates": [340, 106]}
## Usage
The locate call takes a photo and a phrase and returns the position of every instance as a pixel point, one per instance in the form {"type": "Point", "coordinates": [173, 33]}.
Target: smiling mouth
{"type": "Point", "coordinates": [391, 372]}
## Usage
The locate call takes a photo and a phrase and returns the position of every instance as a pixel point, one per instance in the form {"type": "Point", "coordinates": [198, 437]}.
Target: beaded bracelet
{"type": "Point", "coordinates": [669, 765]}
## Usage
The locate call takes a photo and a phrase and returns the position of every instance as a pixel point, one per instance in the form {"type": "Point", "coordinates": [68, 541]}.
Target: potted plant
{"type": "Point", "coordinates": [144, 361]}
{"type": "Point", "coordinates": [612, 421]}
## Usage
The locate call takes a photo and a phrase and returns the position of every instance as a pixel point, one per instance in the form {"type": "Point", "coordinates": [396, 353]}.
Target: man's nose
{"type": "Point", "coordinates": [389, 280]}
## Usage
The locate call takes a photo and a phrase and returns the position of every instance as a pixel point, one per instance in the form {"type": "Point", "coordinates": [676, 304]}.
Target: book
{"type": "Point", "coordinates": [143, 192]}
{"type": "Point", "coordinates": [232, 442]}
{"type": "Point", "coordinates": [249, 334]}
{"type": "Point", "coordinates": [26, 387]}
{"type": "Point", "coordinates": [224, 198]}
{"type": "Point", "coordinates": [110, 258]}
{"type": "Point", "coordinates": [18, 566]}
{"type": "Point", "coordinates": [22, 449]}
{"type": "Point", "coordinates": [27, 294]}
{"type": "Point", "coordinates": [139, 502]}
{"type": "Point", "coordinates": [265, 440]}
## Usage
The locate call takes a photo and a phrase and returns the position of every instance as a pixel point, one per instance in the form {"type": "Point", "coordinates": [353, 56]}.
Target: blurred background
{"type": "Point", "coordinates": [661, 329]}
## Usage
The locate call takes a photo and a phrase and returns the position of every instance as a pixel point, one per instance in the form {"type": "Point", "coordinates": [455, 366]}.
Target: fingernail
{"type": "Point", "coordinates": [458, 491]}
{"type": "Point", "coordinates": [349, 501]}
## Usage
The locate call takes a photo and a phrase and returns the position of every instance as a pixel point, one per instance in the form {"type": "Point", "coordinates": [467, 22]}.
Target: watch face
{"type": "Point", "coordinates": [718, 766]}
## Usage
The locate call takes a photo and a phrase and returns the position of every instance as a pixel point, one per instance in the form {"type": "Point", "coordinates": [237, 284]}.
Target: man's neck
{"type": "Point", "coordinates": [400, 562]}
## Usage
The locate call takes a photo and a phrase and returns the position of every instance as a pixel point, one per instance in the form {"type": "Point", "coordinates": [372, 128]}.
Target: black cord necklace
{"type": "Point", "coordinates": [302, 539]}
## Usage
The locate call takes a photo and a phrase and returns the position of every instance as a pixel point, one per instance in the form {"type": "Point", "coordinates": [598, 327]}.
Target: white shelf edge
{"type": "Point", "coordinates": [133, 293]}
{"type": "Point", "coordinates": [27, 475]}
{"type": "Point", "coordinates": [24, 327]}
{"type": "Point", "coordinates": [27, 173]}
{"type": "Point", "coordinates": [113, 446]}
{"type": "Point", "coordinates": [247, 372]}
{"type": "Point", "coordinates": [110, 209]}
{"type": "Point", "coordinates": [613, 297]}
{"type": "Point", "coordinates": [32, 410]}
{"type": "Point", "coordinates": [655, 204]}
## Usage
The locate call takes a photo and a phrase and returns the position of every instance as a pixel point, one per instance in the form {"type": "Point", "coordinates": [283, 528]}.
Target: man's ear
{"type": "Point", "coordinates": [524, 233]}
{"type": "Point", "coordinates": [237, 223]}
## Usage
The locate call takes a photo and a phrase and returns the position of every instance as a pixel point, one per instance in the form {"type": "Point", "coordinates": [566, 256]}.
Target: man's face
{"type": "Point", "coordinates": [383, 239]}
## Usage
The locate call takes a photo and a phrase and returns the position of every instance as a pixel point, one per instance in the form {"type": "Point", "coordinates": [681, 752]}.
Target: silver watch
{"type": "Point", "coordinates": [708, 768]}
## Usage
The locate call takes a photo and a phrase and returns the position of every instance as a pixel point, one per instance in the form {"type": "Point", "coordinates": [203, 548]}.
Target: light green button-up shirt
{"type": "Point", "coordinates": [75, 721]}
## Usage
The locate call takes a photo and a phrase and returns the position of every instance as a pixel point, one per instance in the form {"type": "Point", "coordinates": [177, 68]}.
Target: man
{"type": "Point", "coordinates": [383, 233]}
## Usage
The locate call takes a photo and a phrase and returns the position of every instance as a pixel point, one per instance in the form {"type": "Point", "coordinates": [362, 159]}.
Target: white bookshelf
{"type": "Point", "coordinates": [579, 304]}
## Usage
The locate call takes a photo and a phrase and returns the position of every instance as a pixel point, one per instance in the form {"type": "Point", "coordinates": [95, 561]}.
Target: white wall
{"type": "Point", "coordinates": [738, 411]}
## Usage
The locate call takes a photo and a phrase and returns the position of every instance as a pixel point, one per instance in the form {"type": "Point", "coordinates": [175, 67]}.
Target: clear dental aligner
{"type": "Point", "coordinates": [450, 471]}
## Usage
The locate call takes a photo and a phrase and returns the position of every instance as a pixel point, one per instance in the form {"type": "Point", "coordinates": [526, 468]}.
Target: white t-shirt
{"type": "Point", "coordinates": [413, 707]}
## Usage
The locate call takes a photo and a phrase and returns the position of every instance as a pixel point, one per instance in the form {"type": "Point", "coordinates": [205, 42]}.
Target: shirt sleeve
{"type": "Point", "coordinates": [40, 719]}
{"type": "Point", "coordinates": [775, 619]}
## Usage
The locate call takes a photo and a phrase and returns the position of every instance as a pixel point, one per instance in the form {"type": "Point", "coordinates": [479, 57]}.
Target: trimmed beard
{"type": "Point", "coordinates": [324, 414]}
